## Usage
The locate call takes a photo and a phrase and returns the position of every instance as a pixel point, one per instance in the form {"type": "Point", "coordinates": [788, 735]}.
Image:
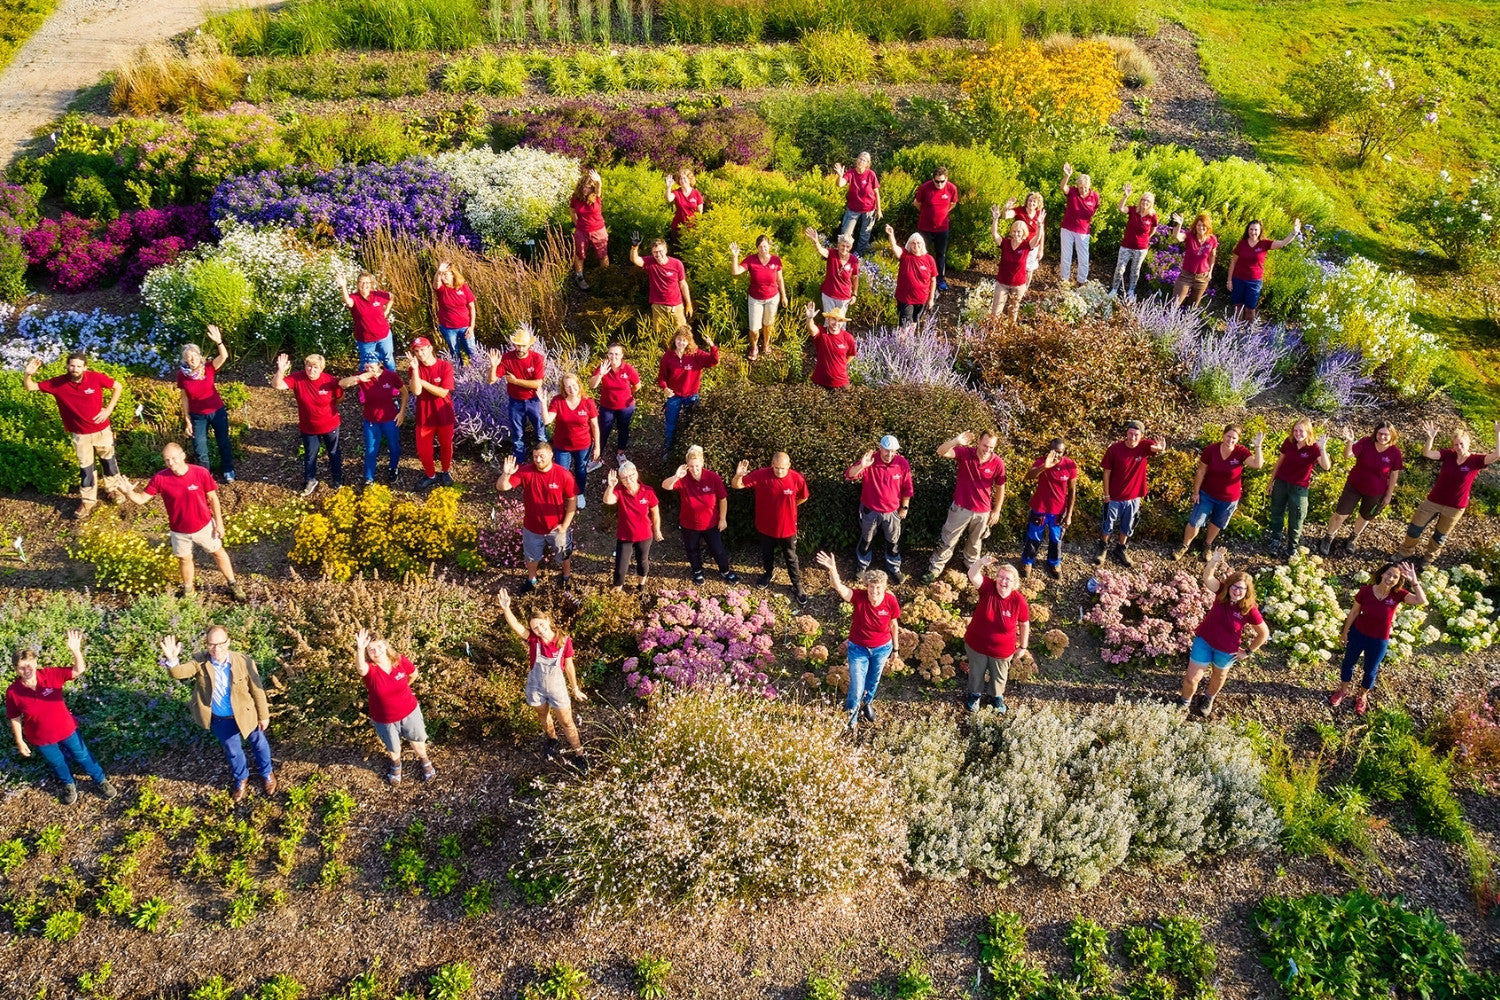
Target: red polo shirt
{"type": "Point", "coordinates": [44, 715]}
{"type": "Point", "coordinates": [684, 375]}
{"type": "Point", "coordinates": [79, 403]}
{"type": "Point", "coordinates": [317, 401]}
{"type": "Point", "coordinates": [700, 500]}
{"type": "Point", "coordinates": [370, 322]}
{"type": "Point", "coordinates": [185, 497]}
{"type": "Point", "coordinates": [885, 484]}
{"type": "Point", "coordinates": [776, 501]}
{"type": "Point", "coordinates": [544, 496]}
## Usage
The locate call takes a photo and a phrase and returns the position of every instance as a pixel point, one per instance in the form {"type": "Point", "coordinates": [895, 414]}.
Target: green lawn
{"type": "Point", "coordinates": [1249, 46]}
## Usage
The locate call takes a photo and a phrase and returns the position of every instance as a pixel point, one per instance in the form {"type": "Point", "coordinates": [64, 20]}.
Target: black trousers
{"type": "Point", "coordinates": [623, 552]}
{"type": "Point", "coordinates": [693, 540]}
{"type": "Point", "coordinates": [788, 548]}
{"type": "Point", "coordinates": [937, 245]}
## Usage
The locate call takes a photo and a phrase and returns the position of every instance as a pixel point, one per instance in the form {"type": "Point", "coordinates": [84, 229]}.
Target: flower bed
{"type": "Point", "coordinates": [1144, 620]}
{"type": "Point", "coordinates": [1468, 614]}
{"type": "Point", "coordinates": [372, 532]}
{"type": "Point", "coordinates": [693, 641]}
{"type": "Point", "coordinates": [80, 254]}
{"type": "Point", "coordinates": [662, 136]}
{"type": "Point", "coordinates": [1301, 605]}
{"type": "Point", "coordinates": [512, 196]}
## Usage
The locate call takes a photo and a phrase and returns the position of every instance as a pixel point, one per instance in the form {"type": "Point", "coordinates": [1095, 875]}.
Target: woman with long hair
{"type": "Point", "coordinates": [1371, 484]}
{"type": "Point", "coordinates": [1011, 275]}
{"type": "Point", "coordinates": [1367, 630]}
{"type": "Point", "coordinates": [1200, 250]}
{"type": "Point", "coordinates": [767, 290]}
{"type": "Point", "coordinates": [916, 277]}
{"type": "Point", "coordinates": [1290, 481]}
{"type": "Point", "coordinates": [1219, 641]}
{"type": "Point", "coordinates": [202, 406]}
{"type": "Point", "coordinates": [394, 710]}
{"type": "Point", "coordinates": [1140, 224]}
{"type": "Point", "coordinates": [589, 232]}
{"type": "Point", "coordinates": [552, 683]}
{"type": "Point", "coordinates": [456, 310]}
{"type": "Point", "coordinates": [1247, 273]}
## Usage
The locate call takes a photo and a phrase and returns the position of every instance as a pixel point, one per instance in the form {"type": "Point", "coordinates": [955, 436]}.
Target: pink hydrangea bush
{"type": "Point", "coordinates": [689, 640]}
{"type": "Point", "coordinates": [1145, 620]}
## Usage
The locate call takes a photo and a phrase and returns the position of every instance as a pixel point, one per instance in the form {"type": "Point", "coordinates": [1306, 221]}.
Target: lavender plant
{"type": "Point", "coordinates": [906, 356]}
{"type": "Point", "coordinates": [1338, 383]}
{"type": "Point", "coordinates": [1229, 367]}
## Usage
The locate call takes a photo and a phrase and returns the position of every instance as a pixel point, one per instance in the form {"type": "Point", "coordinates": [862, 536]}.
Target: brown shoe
{"type": "Point", "coordinates": [270, 784]}
{"type": "Point", "coordinates": [85, 508]}
{"type": "Point", "coordinates": [238, 794]}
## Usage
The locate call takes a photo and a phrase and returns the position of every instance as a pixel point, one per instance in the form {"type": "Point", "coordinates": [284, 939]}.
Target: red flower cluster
{"type": "Point", "coordinates": [79, 254]}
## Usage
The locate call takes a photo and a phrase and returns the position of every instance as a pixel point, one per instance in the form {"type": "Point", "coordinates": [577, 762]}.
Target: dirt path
{"type": "Point", "coordinates": [81, 41]}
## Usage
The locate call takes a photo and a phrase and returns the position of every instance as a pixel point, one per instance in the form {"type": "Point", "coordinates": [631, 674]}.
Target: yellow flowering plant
{"type": "Point", "coordinates": [350, 535]}
{"type": "Point", "coordinates": [1016, 98]}
{"type": "Point", "coordinates": [125, 561]}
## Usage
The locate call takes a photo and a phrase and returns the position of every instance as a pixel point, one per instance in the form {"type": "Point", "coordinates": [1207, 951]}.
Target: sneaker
{"type": "Point", "coordinates": [85, 508]}
{"type": "Point", "coordinates": [237, 592]}
{"type": "Point", "coordinates": [801, 599]}
{"type": "Point", "coordinates": [972, 702]}
{"type": "Point", "coordinates": [1206, 554]}
{"type": "Point", "coordinates": [731, 577]}
{"type": "Point", "coordinates": [1205, 707]}
{"type": "Point", "coordinates": [1336, 698]}
{"type": "Point", "coordinates": [108, 790]}
{"type": "Point", "coordinates": [309, 487]}
{"type": "Point", "coordinates": [393, 772]}
{"type": "Point", "coordinates": [229, 476]}
{"type": "Point", "coordinates": [1361, 704]}
{"type": "Point", "coordinates": [1180, 701]}
{"type": "Point", "coordinates": [764, 580]}
{"type": "Point", "coordinates": [1103, 554]}
{"type": "Point", "coordinates": [583, 503]}
{"type": "Point", "coordinates": [1179, 552]}
{"type": "Point", "coordinates": [1273, 547]}
{"type": "Point", "coordinates": [595, 465]}
{"type": "Point", "coordinates": [697, 576]}
{"type": "Point", "coordinates": [550, 747]}
{"type": "Point", "coordinates": [998, 704]}
{"type": "Point", "coordinates": [391, 476]}
{"type": "Point", "coordinates": [897, 577]}
{"type": "Point", "coordinates": [942, 284]}
{"type": "Point", "coordinates": [427, 482]}
{"type": "Point", "coordinates": [580, 282]}
{"type": "Point", "coordinates": [1122, 553]}
{"type": "Point", "coordinates": [1326, 545]}
{"type": "Point", "coordinates": [445, 478]}
{"type": "Point", "coordinates": [1418, 564]}
{"type": "Point", "coordinates": [69, 794]}
{"type": "Point", "coordinates": [369, 482]}
{"type": "Point", "coordinates": [867, 712]}
{"type": "Point", "coordinates": [526, 588]}
{"type": "Point", "coordinates": [577, 761]}
{"type": "Point", "coordinates": [620, 458]}
{"type": "Point", "coordinates": [929, 577]}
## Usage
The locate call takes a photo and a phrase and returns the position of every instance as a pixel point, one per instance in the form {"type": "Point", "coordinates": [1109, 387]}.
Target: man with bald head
{"type": "Point", "coordinates": [193, 515]}
{"type": "Point", "coordinates": [779, 491]}
{"type": "Point", "coordinates": [228, 700]}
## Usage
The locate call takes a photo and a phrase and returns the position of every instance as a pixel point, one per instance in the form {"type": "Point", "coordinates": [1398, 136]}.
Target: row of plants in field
{"type": "Point", "coordinates": [454, 981]}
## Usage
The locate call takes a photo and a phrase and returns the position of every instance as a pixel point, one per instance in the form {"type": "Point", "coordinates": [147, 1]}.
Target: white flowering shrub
{"type": "Point", "coordinates": [1091, 300]}
{"type": "Point", "coordinates": [1301, 605]}
{"type": "Point", "coordinates": [514, 195]}
{"type": "Point", "coordinates": [122, 340]}
{"type": "Point", "coordinates": [1457, 597]}
{"type": "Point", "coordinates": [1075, 795]}
{"type": "Point", "coordinates": [1358, 306]}
{"type": "Point", "coordinates": [978, 301]}
{"type": "Point", "coordinates": [1461, 219]}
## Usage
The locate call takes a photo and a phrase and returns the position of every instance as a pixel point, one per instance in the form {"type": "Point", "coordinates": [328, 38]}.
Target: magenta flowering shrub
{"type": "Point", "coordinates": [500, 542]}
{"type": "Point", "coordinates": [693, 641]}
{"type": "Point", "coordinates": [663, 136]}
{"type": "Point", "coordinates": [1145, 620]}
{"type": "Point", "coordinates": [79, 254]}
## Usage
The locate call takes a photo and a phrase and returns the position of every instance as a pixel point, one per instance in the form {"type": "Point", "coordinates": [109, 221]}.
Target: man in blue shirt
{"type": "Point", "coordinates": [229, 700]}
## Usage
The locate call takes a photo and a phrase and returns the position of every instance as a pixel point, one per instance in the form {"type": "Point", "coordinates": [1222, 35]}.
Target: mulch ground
{"type": "Point", "coordinates": [1183, 109]}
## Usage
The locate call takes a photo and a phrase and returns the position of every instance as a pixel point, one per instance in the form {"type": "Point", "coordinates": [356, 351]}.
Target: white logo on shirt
{"type": "Point", "coordinates": [192, 486]}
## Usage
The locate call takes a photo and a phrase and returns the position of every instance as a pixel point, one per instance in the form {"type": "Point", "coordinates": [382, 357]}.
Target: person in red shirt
{"type": "Point", "coordinates": [685, 199]}
{"type": "Point", "coordinates": [1056, 478]}
{"type": "Point", "coordinates": [432, 384]}
{"type": "Point", "coordinates": [1124, 466]}
{"type": "Point", "coordinates": [552, 682]}
{"type": "Point", "coordinates": [1371, 484]}
{"type": "Point", "coordinates": [394, 710]}
{"type": "Point", "coordinates": [639, 523]}
{"type": "Point", "coordinates": [589, 232]}
{"type": "Point", "coordinates": [978, 495]}
{"type": "Point", "coordinates": [862, 208]}
{"type": "Point", "coordinates": [666, 284]}
{"type": "Point", "coordinates": [193, 515]}
{"type": "Point", "coordinates": [370, 308]}
{"type": "Point", "coordinates": [833, 346]}
{"type": "Point", "coordinates": [549, 499]}
{"type": "Point", "coordinates": [1217, 485]}
{"type": "Point", "coordinates": [1248, 272]}
{"type": "Point", "coordinates": [1449, 498]}
{"type": "Point", "coordinates": [703, 515]}
{"type": "Point", "coordinates": [1011, 275]}
{"type": "Point", "coordinates": [680, 375]}
{"type": "Point", "coordinates": [840, 273]}
{"type": "Point", "coordinates": [1290, 480]}
{"type": "Point", "coordinates": [874, 631]}
{"type": "Point", "coordinates": [523, 370]}
{"type": "Point", "coordinates": [317, 394]}
{"type": "Point", "coordinates": [779, 491]}
{"type": "Point", "coordinates": [1140, 224]}
{"type": "Point", "coordinates": [1200, 250]}
{"type": "Point", "coordinates": [1034, 214]}
{"type": "Point", "coordinates": [1082, 202]}
{"type": "Point", "coordinates": [998, 631]}
{"type": "Point", "coordinates": [202, 405]}
{"type": "Point", "coordinates": [85, 416]}
{"type": "Point", "coordinates": [1219, 642]}
{"type": "Point", "coordinates": [935, 200]}
{"type": "Point", "coordinates": [885, 495]}
{"type": "Point", "coordinates": [916, 277]}
{"type": "Point", "coordinates": [616, 382]}
{"type": "Point", "coordinates": [1367, 630]}
{"type": "Point", "coordinates": [574, 419]}
{"type": "Point", "coordinates": [457, 310]}
{"type": "Point", "coordinates": [767, 289]}
{"type": "Point", "coordinates": [40, 720]}
{"type": "Point", "coordinates": [382, 398]}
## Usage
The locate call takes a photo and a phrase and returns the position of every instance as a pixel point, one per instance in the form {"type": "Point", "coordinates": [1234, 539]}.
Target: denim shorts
{"type": "Point", "coordinates": [1209, 509]}
{"type": "Point", "coordinates": [534, 546]}
{"type": "Point", "coordinates": [1120, 515]}
{"type": "Point", "coordinates": [1202, 652]}
{"type": "Point", "coordinates": [1246, 293]}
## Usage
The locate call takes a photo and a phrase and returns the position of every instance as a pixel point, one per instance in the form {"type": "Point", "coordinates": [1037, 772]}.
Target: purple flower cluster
{"type": "Point", "coordinates": [80, 254]}
{"type": "Point", "coordinates": [906, 356]}
{"type": "Point", "coordinates": [1164, 263]}
{"type": "Point", "coordinates": [1144, 618]}
{"type": "Point", "coordinates": [500, 543]}
{"type": "Point", "coordinates": [350, 203]}
{"type": "Point", "coordinates": [693, 641]}
{"type": "Point", "coordinates": [1339, 382]}
{"type": "Point", "coordinates": [1237, 363]}
{"type": "Point", "coordinates": [481, 410]}
{"type": "Point", "coordinates": [663, 136]}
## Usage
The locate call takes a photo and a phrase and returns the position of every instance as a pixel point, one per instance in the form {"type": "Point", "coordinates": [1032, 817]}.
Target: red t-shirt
{"type": "Point", "coordinates": [571, 430]}
{"type": "Point", "coordinates": [833, 351]}
{"type": "Point", "coordinates": [1138, 229]}
{"type": "Point", "coordinates": [544, 496]}
{"type": "Point", "coordinates": [933, 205]}
{"type": "Point", "coordinates": [664, 281]}
{"type": "Point", "coordinates": [79, 403]}
{"type": "Point", "coordinates": [1377, 614]}
{"type": "Point", "coordinates": [1372, 468]}
{"type": "Point", "coordinates": [871, 625]}
{"type": "Point", "coordinates": [839, 277]}
{"type": "Point", "coordinates": [1195, 253]}
{"type": "Point", "coordinates": [617, 388]}
{"type": "Point", "coordinates": [1221, 627]}
{"type": "Point", "coordinates": [1079, 214]}
{"type": "Point", "coordinates": [1455, 478]}
{"type": "Point", "coordinates": [1051, 494]}
{"type": "Point", "coordinates": [977, 480]}
{"type": "Point", "coordinates": [185, 497]}
{"type": "Point", "coordinates": [532, 366]}
{"type": "Point", "coordinates": [1033, 228]}
{"type": "Point", "coordinates": [996, 622]}
{"type": "Point", "coordinates": [433, 411]}
{"type": "Point", "coordinates": [776, 501]}
{"type": "Point", "coordinates": [453, 308]}
{"type": "Point", "coordinates": [1012, 269]}
{"type": "Point", "coordinates": [1250, 261]}
{"type": "Point", "coordinates": [202, 396]}
{"type": "Point", "coordinates": [685, 205]}
{"type": "Point", "coordinates": [700, 500]}
{"type": "Point", "coordinates": [684, 375]}
{"type": "Point", "coordinates": [914, 277]}
{"type": "Point", "coordinates": [370, 322]}
{"type": "Point", "coordinates": [317, 401]}
{"type": "Point", "coordinates": [44, 715]}
{"type": "Point", "coordinates": [763, 276]}
{"type": "Point", "coordinates": [861, 190]}
{"type": "Point", "coordinates": [634, 524]}
{"type": "Point", "coordinates": [588, 216]}
{"type": "Point", "coordinates": [1223, 477]}
{"type": "Point", "coordinates": [549, 655]}
{"type": "Point", "coordinates": [884, 484]}
{"type": "Point", "coordinates": [1127, 468]}
{"type": "Point", "coordinates": [381, 398]}
{"type": "Point", "coordinates": [391, 697]}
{"type": "Point", "coordinates": [1297, 463]}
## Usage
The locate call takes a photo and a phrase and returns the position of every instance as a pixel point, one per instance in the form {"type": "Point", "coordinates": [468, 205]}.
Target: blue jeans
{"type": "Point", "coordinates": [460, 340]}
{"type": "Point", "coordinates": [609, 419]}
{"type": "Point", "coordinates": [219, 421]}
{"type": "Point", "coordinates": [576, 462]}
{"type": "Point", "coordinates": [1041, 526]}
{"type": "Point", "coordinates": [675, 406]}
{"type": "Point", "coordinates": [860, 225]}
{"type": "Point", "coordinates": [1373, 651]}
{"type": "Point", "coordinates": [520, 412]}
{"type": "Point", "coordinates": [310, 443]}
{"type": "Point", "coordinates": [374, 434]}
{"type": "Point", "coordinates": [1210, 509]}
{"type": "Point", "coordinates": [1120, 515]}
{"type": "Point", "coordinates": [865, 665]}
{"type": "Point", "coordinates": [227, 731]}
{"type": "Point", "coordinates": [383, 351]}
{"type": "Point", "coordinates": [52, 753]}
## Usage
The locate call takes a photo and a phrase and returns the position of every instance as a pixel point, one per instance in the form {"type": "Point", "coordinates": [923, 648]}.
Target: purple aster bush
{"type": "Point", "coordinates": [663, 136]}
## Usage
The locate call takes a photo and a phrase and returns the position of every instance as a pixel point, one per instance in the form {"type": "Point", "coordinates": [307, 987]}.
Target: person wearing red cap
{"type": "Point", "coordinates": [681, 376]}
{"type": "Point", "coordinates": [318, 395]}
{"type": "Point", "coordinates": [884, 499]}
{"type": "Point", "coordinates": [432, 387]}
{"type": "Point", "coordinates": [779, 491]}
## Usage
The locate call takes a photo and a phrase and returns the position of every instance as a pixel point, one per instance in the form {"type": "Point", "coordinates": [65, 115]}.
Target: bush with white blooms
{"type": "Point", "coordinates": [1301, 605]}
{"type": "Point", "coordinates": [1457, 596]}
{"type": "Point", "coordinates": [514, 195]}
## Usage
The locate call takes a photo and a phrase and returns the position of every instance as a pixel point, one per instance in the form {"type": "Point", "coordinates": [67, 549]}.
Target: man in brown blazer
{"type": "Point", "coordinates": [228, 700]}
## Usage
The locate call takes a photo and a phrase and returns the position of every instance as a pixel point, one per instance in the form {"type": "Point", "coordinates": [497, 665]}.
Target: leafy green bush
{"type": "Point", "coordinates": [1360, 306]}
{"type": "Point", "coordinates": [983, 179]}
{"type": "Point", "coordinates": [1461, 220]}
{"type": "Point", "coordinates": [88, 196]}
{"type": "Point", "coordinates": [369, 136]}
{"type": "Point", "coordinates": [833, 126]}
{"type": "Point", "coordinates": [837, 57]}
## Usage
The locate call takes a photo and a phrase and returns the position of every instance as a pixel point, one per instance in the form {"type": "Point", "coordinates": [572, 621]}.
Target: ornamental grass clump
{"type": "Point", "coordinates": [1144, 620]}
{"type": "Point", "coordinates": [692, 640]}
{"type": "Point", "coordinates": [715, 798]}
{"type": "Point", "coordinates": [1301, 605]}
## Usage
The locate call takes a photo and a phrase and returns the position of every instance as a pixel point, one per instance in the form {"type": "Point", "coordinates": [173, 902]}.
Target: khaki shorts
{"type": "Point", "coordinates": [667, 319]}
{"type": "Point", "coordinates": [763, 312]}
{"type": "Point", "coordinates": [1193, 284]}
{"type": "Point", "coordinates": [183, 542]}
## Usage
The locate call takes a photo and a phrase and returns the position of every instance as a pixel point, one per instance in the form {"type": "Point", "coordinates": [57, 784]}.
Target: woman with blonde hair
{"type": "Point", "coordinates": [1371, 484]}
{"type": "Point", "coordinates": [202, 406]}
{"type": "Point", "coordinates": [685, 199]}
{"type": "Point", "coordinates": [1290, 480]}
{"type": "Point", "coordinates": [1446, 502]}
{"type": "Point", "coordinates": [456, 310]}
{"type": "Point", "coordinates": [767, 290]}
{"type": "Point", "coordinates": [394, 710]}
{"type": "Point", "coordinates": [1200, 250]}
{"type": "Point", "coordinates": [1011, 275]}
{"type": "Point", "coordinates": [1139, 227]}
{"type": "Point", "coordinates": [1218, 642]}
{"type": "Point", "coordinates": [1033, 212]}
{"type": "Point", "coordinates": [574, 419]}
{"type": "Point", "coordinates": [589, 232]}
{"type": "Point", "coordinates": [874, 628]}
{"type": "Point", "coordinates": [916, 277]}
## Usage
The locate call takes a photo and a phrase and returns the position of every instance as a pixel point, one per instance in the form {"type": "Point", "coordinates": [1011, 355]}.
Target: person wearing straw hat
{"type": "Point", "coordinates": [432, 387]}
{"type": "Point", "coordinates": [833, 345]}
{"type": "Point", "coordinates": [884, 499]}
{"type": "Point", "coordinates": [523, 370]}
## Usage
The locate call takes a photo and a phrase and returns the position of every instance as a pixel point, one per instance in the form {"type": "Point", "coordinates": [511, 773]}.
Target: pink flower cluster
{"type": "Point", "coordinates": [1146, 619]}
{"type": "Point", "coordinates": [81, 254]}
{"type": "Point", "coordinates": [688, 641]}
{"type": "Point", "coordinates": [500, 543]}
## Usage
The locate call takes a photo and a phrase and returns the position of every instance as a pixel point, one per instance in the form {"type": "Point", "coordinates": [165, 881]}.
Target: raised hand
{"type": "Point", "coordinates": [1258, 440]}
{"type": "Point", "coordinates": [75, 640]}
{"type": "Point", "coordinates": [867, 459]}
{"type": "Point", "coordinates": [1347, 433]}
{"type": "Point", "coordinates": [495, 356]}
{"type": "Point", "coordinates": [1297, 226]}
{"type": "Point", "coordinates": [1430, 429]}
{"type": "Point", "coordinates": [1125, 187]}
{"type": "Point", "coordinates": [283, 363]}
{"type": "Point", "coordinates": [734, 250]}
{"type": "Point", "coordinates": [1176, 218]}
{"type": "Point", "coordinates": [827, 561]}
{"type": "Point", "coordinates": [635, 237]}
{"type": "Point", "coordinates": [890, 231]}
{"type": "Point", "coordinates": [1067, 170]}
{"type": "Point", "coordinates": [811, 233]}
{"type": "Point", "coordinates": [612, 479]}
{"type": "Point", "coordinates": [171, 648]}
{"type": "Point", "coordinates": [995, 212]}
{"type": "Point", "coordinates": [411, 359]}
{"type": "Point", "coordinates": [503, 599]}
{"type": "Point", "coordinates": [1323, 442]}
{"type": "Point", "coordinates": [33, 365]}
{"type": "Point", "coordinates": [810, 310]}
{"type": "Point", "coordinates": [965, 438]}
{"type": "Point", "coordinates": [214, 334]}
{"type": "Point", "coordinates": [1408, 571]}
{"type": "Point", "coordinates": [681, 472]}
{"type": "Point", "coordinates": [838, 168]}
{"type": "Point", "coordinates": [594, 176]}
{"type": "Point", "coordinates": [509, 465]}
{"type": "Point", "coordinates": [743, 469]}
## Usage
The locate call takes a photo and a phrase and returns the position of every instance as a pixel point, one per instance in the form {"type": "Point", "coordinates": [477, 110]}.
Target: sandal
{"type": "Point", "coordinates": [394, 774]}
{"type": "Point", "coordinates": [428, 771]}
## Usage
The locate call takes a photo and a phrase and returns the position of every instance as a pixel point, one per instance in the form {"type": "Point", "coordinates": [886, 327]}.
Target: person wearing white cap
{"type": "Point", "coordinates": [524, 371]}
{"type": "Point", "coordinates": [639, 524]}
{"type": "Point", "coordinates": [884, 499]}
{"type": "Point", "coordinates": [767, 290]}
{"type": "Point", "coordinates": [833, 346]}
